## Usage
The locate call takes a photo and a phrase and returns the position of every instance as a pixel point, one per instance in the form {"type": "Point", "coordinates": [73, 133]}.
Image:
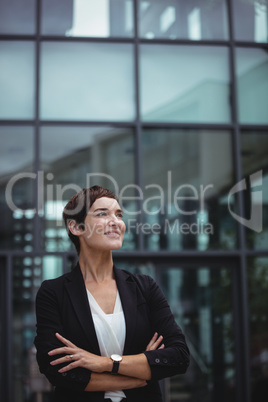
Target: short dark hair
{"type": "Point", "coordinates": [77, 208]}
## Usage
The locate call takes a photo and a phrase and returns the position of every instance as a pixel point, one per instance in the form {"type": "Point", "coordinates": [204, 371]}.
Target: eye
{"type": "Point", "coordinates": [102, 214]}
{"type": "Point", "coordinates": [120, 215]}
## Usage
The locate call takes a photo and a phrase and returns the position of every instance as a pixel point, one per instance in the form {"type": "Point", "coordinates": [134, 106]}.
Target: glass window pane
{"type": "Point", "coordinates": [258, 299]}
{"type": "Point", "coordinates": [252, 83]}
{"type": "Point", "coordinates": [174, 89]}
{"type": "Point", "coordinates": [254, 152]}
{"type": "Point", "coordinates": [17, 80]}
{"type": "Point", "coordinates": [201, 300]}
{"type": "Point", "coordinates": [4, 337]}
{"type": "Point", "coordinates": [17, 16]}
{"type": "Point", "coordinates": [102, 18]}
{"type": "Point", "coordinates": [185, 202]}
{"type": "Point", "coordinates": [250, 20]}
{"type": "Point", "coordinates": [87, 81]}
{"type": "Point", "coordinates": [73, 158]}
{"type": "Point", "coordinates": [16, 188]}
{"type": "Point", "coordinates": [180, 19]}
{"type": "Point", "coordinates": [28, 273]}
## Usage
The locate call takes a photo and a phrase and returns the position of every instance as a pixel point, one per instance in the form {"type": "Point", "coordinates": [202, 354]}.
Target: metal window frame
{"type": "Point", "coordinates": [184, 257]}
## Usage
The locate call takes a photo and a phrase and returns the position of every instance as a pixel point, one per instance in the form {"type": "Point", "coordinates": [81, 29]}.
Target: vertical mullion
{"type": "Point", "coordinates": [138, 128]}
{"type": "Point", "coordinates": [242, 329]}
{"type": "Point", "coordinates": [8, 330]}
{"type": "Point", "coordinates": [37, 223]}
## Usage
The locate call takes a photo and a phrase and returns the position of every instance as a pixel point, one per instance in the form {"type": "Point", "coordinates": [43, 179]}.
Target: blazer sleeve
{"type": "Point", "coordinates": [175, 357]}
{"type": "Point", "coordinates": [48, 323]}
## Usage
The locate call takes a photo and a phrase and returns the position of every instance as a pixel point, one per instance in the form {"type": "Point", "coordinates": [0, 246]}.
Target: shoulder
{"type": "Point", "coordinates": [145, 283]}
{"type": "Point", "coordinates": [54, 286]}
{"type": "Point", "coordinates": [139, 279]}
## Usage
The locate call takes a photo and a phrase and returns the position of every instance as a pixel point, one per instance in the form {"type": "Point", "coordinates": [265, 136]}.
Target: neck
{"type": "Point", "coordinates": [96, 266]}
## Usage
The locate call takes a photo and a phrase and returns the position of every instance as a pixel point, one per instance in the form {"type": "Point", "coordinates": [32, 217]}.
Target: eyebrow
{"type": "Point", "coordinates": [106, 209]}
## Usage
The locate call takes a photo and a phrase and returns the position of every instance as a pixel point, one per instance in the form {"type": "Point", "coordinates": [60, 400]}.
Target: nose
{"type": "Point", "coordinates": [114, 220]}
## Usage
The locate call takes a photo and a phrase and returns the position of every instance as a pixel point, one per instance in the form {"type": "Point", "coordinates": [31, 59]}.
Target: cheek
{"type": "Point", "coordinates": [99, 228]}
{"type": "Point", "coordinates": [123, 227]}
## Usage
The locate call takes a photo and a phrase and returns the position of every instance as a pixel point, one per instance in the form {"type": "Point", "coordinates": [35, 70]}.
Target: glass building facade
{"type": "Point", "coordinates": [166, 103]}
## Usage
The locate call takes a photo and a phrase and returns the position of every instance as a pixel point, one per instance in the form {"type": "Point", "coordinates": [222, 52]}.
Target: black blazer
{"type": "Point", "coordinates": [62, 306]}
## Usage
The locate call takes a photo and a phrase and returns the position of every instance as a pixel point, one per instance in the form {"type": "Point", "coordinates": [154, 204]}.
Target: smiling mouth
{"type": "Point", "coordinates": [112, 234]}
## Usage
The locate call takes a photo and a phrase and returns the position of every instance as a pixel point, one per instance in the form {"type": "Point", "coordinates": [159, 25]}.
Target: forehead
{"type": "Point", "coordinates": [105, 202]}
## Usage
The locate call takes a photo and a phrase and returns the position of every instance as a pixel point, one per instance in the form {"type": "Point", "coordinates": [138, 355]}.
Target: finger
{"type": "Point", "coordinates": [61, 360]}
{"type": "Point", "coordinates": [155, 345]}
{"type": "Point", "coordinates": [162, 346]}
{"type": "Point", "coordinates": [64, 340]}
{"type": "Point", "coordinates": [152, 341]}
{"type": "Point", "coordinates": [64, 350]}
{"type": "Point", "coordinates": [69, 367]}
{"type": "Point", "coordinates": [158, 341]}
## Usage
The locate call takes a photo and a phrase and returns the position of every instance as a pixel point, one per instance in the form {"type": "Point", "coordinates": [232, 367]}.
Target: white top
{"type": "Point", "coordinates": [111, 333]}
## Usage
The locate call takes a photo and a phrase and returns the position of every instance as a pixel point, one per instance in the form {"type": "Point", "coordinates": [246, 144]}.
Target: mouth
{"type": "Point", "coordinates": [113, 233]}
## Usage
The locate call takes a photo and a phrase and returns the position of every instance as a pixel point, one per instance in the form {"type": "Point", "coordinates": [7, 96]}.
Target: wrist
{"type": "Point", "coordinates": [107, 364]}
{"type": "Point", "coordinates": [116, 359]}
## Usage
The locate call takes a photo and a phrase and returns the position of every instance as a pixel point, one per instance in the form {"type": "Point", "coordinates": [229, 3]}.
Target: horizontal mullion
{"type": "Point", "coordinates": [150, 124]}
{"type": "Point", "coordinates": [133, 39]}
{"type": "Point", "coordinates": [224, 126]}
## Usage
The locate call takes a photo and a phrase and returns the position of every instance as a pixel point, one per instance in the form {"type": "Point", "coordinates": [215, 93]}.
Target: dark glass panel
{"type": "Point", "coordinates": [87, 81]}
{"type": "Point", "coordinates": [102, 18]}
{"type": "Point", "coordinates": [82, 157]}
{"type": "Point", "coordinates": [180, 19]}
{"type": "Point", "coordinates": [16, 187]}
{"type": "Point", "coordinates": [28, 273]}
{"type": "Point", "coordinates": [258, 300]}
{"type": "Point", "coordinates": [17, 16]}
{"type": "Point", "coordinates": [252, 85]}
{"type": "Point", "coordinates": [250, 20]}
{"type": "Point", "coordinates": [185, 84]}
{"type": "Point", "coordinates": [254, 153]}
{"type": "Point", "coordinates": [17, 75]}
{"type": "Point", "coordinates": [187, 175]}
{"type": "Point", "coordinates": [201, 301]}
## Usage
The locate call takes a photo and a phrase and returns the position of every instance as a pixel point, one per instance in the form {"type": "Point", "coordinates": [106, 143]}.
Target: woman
{"type": "Point", "coordinates": [100, 329]}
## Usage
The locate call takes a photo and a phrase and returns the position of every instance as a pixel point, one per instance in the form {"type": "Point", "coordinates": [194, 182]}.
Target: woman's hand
{"type": "Point", "coordinates": [77, 357]}
{"type": "Point", "coordinates": [155, 342]}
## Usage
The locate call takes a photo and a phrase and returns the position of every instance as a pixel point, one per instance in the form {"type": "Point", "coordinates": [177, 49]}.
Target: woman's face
{"type": "Point", "coordinates": [104, 226]}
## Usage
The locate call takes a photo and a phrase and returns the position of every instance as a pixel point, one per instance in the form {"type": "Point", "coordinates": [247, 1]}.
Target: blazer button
{"type": "Point", "coordinates": [64, 374]}
{"type": "Point", "coordinates": [157, 360]}
{"type": "Point", "coordinates": [165, 360]}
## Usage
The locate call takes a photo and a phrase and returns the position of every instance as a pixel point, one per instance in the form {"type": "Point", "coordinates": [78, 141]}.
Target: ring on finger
{"type": "Point", "coordinates": [71, 356]}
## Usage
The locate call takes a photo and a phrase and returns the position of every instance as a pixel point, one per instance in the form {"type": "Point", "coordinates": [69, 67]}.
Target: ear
{"type": "Point", "coordinates": [76, 228]}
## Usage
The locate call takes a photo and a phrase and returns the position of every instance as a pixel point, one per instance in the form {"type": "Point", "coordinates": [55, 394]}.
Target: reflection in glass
{"type": "Point", "coordinates": [4, 319]}
{"type": "Point", "coordinates": [254, 152]}
{"type": "Point", "coordinates": [201, 301]}
{"type": "Point", "coordinates": [16, 80]}
{"type": "Point", "coordinates": [252, 83]}
{"type": "Point", "coordinates": [184, 84]}
{"type": "Point", "coordinates": [250, 20]}
{"type": "Point", "coordinates": [179, 19]}
{"type": "Point", "coordinates": [17, 16]}
{"type": "Point", "coordinates": [28, 274]}
{"type": "Point", "coordinates": [102, 18]}
{"type": "Point", "coordinates": [185, 199]}
{"type": "Point", "coordinates": [16, 192]}
{"type": "Point", "coordinates": [87, 81]}
{"type": "Point", "coordinates": [258, 299]}
{"type": "Point", "coordinates": [82, 157]}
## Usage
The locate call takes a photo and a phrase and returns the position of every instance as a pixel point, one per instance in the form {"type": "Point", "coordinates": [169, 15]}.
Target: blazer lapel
{"type": "Point", "coordinates": [78, 296]}
{"type": "Point", "coordinates": [128, 294]}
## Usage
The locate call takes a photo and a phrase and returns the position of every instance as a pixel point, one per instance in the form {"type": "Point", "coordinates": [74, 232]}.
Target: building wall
{"type": "Point", "coordinates": [166, 103]}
